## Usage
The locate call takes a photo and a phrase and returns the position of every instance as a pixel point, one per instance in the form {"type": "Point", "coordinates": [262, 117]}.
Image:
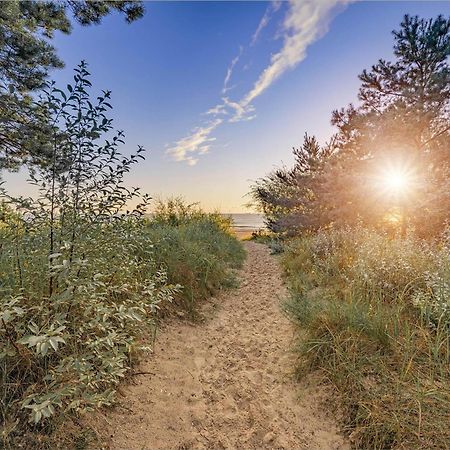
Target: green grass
{"type": "Point", "coordinates": [374, 316]}
{"type": "Point", "coordinates": [197, 251]}
{"type": "Point", "coordinates": [64, 354]}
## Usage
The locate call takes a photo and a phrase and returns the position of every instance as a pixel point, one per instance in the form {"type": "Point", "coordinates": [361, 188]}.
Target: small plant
{"type": "Point", "coordinates": [273, 240]}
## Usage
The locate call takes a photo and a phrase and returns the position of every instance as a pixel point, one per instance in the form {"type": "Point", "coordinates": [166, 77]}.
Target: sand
{"type": "Point", "coordinates": [226, 382]}
{"type": "Point", "coordinates": [243, 234]}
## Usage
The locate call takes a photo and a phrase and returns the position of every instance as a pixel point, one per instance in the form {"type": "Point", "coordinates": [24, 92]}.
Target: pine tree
{"type": "Point", "coordinates": [403, 119]}
{"type": "Point", "coordinates": [287, 197]}
{"type": "Point", "coordinates": [26, 56]}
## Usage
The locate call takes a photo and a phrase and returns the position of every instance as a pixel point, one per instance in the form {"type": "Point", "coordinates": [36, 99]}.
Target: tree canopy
{"type": "Point", "coordinates": [27, 55]}
{"type": "Point", "coordinates": [402, 122]}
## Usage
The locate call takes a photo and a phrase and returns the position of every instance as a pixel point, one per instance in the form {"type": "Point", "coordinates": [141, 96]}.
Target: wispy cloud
{"type": "Point", "coordinates": [240, 112]}
{"type": "Point", "coordinates": [271, 9]}
{"type": "Point", "coordinates": [305, 22]}
{"type": "Point", "coordinates": [217, 110]}
{"type": "Point", "coordinates": [230, 69]}
{"type": "Point", "coordinates": [196, 143]}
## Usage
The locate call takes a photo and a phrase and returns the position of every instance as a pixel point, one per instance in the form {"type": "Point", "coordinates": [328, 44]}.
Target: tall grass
{"type": "Point", "coordinates": [197, 250]}
{"type": "Point", "coordinates": [374, 314]}
{"type": "Point", "coordinates": [64, 354]}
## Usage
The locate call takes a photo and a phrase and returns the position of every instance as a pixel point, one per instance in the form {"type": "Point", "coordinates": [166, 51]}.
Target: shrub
{"type": "Point", "coordinates": [375, 314]}
{"type": "Point", "coordinates": [68, 352]}
{"type": "Point", "coordinates": [80, 280]}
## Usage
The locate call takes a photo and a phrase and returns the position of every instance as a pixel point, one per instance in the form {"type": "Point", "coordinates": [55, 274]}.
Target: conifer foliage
{"type": "Point", "coordinates": [26, 56]}
{"type": "Point", "coordinates": [401, 122]}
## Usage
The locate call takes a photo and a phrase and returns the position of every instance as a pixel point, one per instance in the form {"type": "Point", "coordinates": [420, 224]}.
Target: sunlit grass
{"type": "Point", "coordinates": [376, 314]}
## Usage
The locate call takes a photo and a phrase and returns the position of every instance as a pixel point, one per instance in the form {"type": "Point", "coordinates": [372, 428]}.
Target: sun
{"type": "Point", "coordinates": [396, 181]}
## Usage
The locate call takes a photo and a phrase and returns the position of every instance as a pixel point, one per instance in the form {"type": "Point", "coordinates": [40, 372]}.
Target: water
{"type": "Point", "coordinates": [243, 221]}
{"type": "Point", "coordinates": [247, 221]}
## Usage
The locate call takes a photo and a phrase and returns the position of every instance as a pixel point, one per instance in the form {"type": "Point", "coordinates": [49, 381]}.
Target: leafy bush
{"type": "Point", "coordinates": [68, 352]}
{"type": "Point", "coordinates": [80, 280]}
{"type": "Point", "coordinates": [79, 284]}
{"type": "Point", "coordinates": [375, 311]}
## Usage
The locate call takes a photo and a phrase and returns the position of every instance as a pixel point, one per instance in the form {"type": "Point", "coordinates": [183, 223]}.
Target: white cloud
{"type": "Point", "coordinates": [240, 112]}
{"type": "Point", "coordinates": [217, 110]}
{"type": "Point", "coordinates": [197, 143]}
{"type": "Point", "coordinates": [228, 107]}
{"type": "Point", "coordinates": [305, 22]}
{"type": "Point", "coordinates": [271, 9]}
{"type": "Point", "coordinates": [234, 61]}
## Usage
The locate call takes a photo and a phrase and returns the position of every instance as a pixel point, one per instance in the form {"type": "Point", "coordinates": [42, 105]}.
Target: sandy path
{"type": "Point", "coordinates": [226, 383]}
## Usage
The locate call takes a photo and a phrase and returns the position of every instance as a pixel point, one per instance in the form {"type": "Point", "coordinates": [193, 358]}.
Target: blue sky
{"type": "Point", "coordinates": [167, 70]}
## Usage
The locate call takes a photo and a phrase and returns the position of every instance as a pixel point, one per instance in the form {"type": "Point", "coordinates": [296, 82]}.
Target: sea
{"type": "Point", "coordinates": [243, 221]}
{"type": "Point", "coordinates": [246, 221]}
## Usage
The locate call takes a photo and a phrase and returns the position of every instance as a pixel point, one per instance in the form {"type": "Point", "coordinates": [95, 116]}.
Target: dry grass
{"type": "Point", "coordinates": [376, 316]}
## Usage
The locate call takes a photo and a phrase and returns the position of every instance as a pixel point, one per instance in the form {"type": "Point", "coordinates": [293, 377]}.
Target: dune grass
{"type": "Point", "coordinates": [63, 354]}
{"type": "Point", "coordinates": [374, 317]}
{"type": "Point", "coordinates": [197, 251]}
